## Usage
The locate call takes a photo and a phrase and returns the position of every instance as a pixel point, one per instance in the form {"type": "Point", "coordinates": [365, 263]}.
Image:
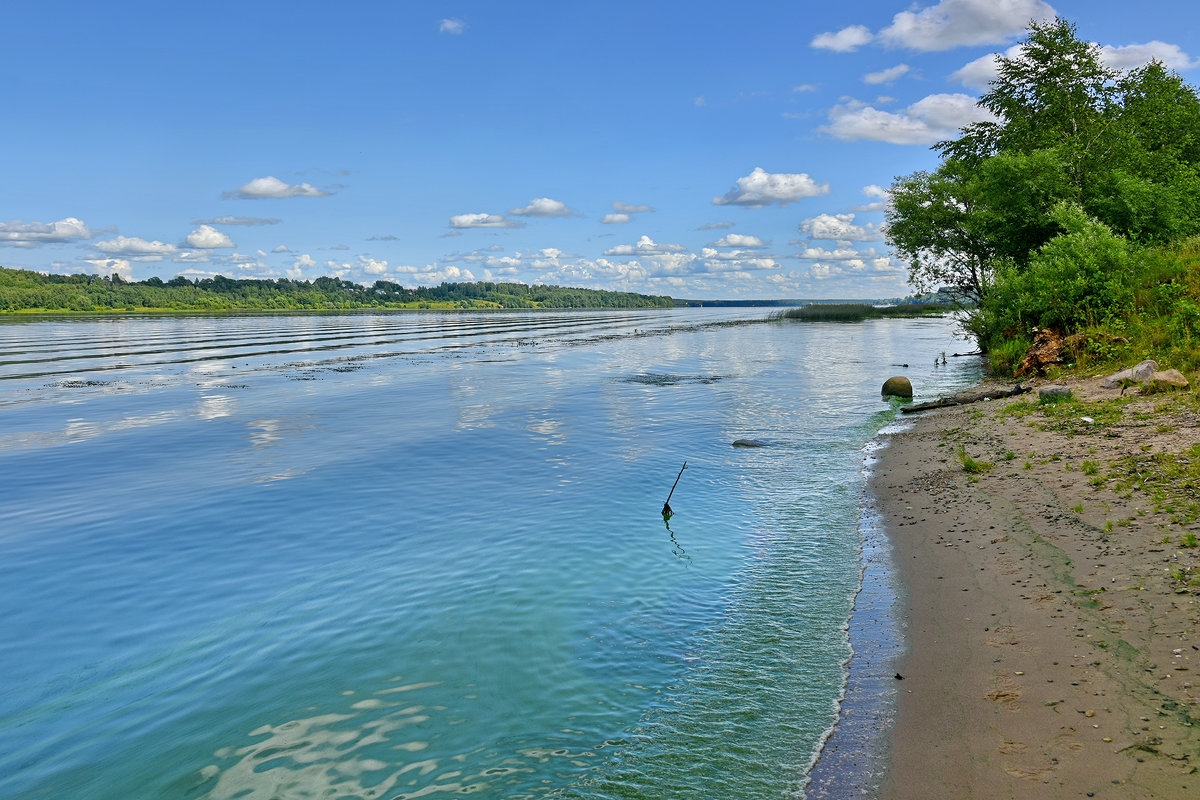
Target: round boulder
{"type": "Point", "coordinates": [898, 386]}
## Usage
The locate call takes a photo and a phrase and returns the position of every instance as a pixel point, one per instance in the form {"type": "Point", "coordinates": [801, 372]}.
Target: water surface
{"type": "Point", "coordinates": [416, 555]}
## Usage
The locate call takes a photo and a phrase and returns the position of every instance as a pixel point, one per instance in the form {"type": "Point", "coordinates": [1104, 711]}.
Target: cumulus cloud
{"type": "Point", "coordinates": [955, 23]}
{"type": "Point", "coordinates": [761, 188]}
{"type": "Point", "coordinates": [230, 220]}
{"type": "Point", "coordinates": [107, 266]}
{"type": "Point", "coordinates": [206, 237]}
{"type": "Point", "coordinates": [888, 75]}
{"type": "Point", "coordinates": [1135, 55]}
{"type": "Point", "coordinates": [645, 247]}
{"type": "Point", "coordinates": [847, 40]}
{"type": "Point", "coordinates": [301, 263]}
{"type": "Point", "coordinates": [483, 221]}
{"type": "Point", "coordinates": [979, 73]}
{"type": "Point", "coordinates": [136, 249]}
{"type": "Point", "coordinates": [716, 226]}
{"type": "Point", "coordinates": [938, 116]}
{"type": "Point", "coordinates": [838, 254]}
{"type": "Point", "coordinates": [282, 248]}
{"type": "Point", "coordinates": [839, 227]}
{"type": "Point", "coordinates": [630, 208]}
{"type": "Point", "coordinates": [543, 207]}
{"type": "Point", "coordinates": [739, 240]}
{"type": "Point", "coordinates": [452, 26]}
{"type": "Point", "coordinates": [271, 187]}
{"type": "Point", "coordinates": [31, 234]}
{"type": "Point", "coordinates": [881, 197]}
{"type": "Point", "coordinates": [616, 219]}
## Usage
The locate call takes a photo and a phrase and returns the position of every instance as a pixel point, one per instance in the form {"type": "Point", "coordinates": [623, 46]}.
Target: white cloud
{"type": "Point", "coordinates": [881, 195]}
{"type": "Point", "coordinates": [955, 23]}
{"type": "Point", "coordinates": [645, 247]}
{"type": "Point", "coordinates": [839, 227]}
{"type": "Point", "coordinates": [543, 207]}
{"type": "Point", "coordinates": [739, 240]}
{"type": "Point", "coordinates": [839, 254]}
{"type": "Point", "coordinates": [616, 219]}
{"type": "Point", "coordinates": [372, 266]}
{"type": "Point", "coordinates": [452, 26]}
{"type": "Point", "coordinates": [630, 208]}
{"type": "Point", "coordinates": [272, 187]}
{"type": "Point", "coordinates": [107, 266]}
{"type": "Point", "coordinates": [483, 221]}
{"type": "Point", "coordinates": [302, 262]}
{"type": "Point", "coordinates": [888, 75]}
{"type": "Point", "coordinates": [231, 220]}
{"type": "Point", "coordinates": [979, 73]}
{"type": "Point", "coordinates": [282, 248]}
{"type": "Point", "coordinates": [700, 101]}
{"type": "Point", "coordinates": [847, 40]}
{"type": "Point", "coordinates": [716, 226]}
{"type": "Point", "coordinates": [1135, 55]}
{"type": "Point", "coordinates": [136, 249]}
{"type": "Point", "coordinates": [761, 188]}
{"type": "Point", "coordinates": [805, 87]}
{"type": "Point", "coordinates": [206, 237]}
{"type": "Point", "coordinates": [938, 116]}
{"type": "Point", "coordinates": [31, 234]}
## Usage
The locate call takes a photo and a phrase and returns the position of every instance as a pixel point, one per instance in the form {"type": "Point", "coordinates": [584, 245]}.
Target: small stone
{"type": "Point", "coordinates": [1089, 713]}
{"type": "Point", "coordinates": [1107, 739]}
{"type": "Point", "coordinates": [1054, 393]}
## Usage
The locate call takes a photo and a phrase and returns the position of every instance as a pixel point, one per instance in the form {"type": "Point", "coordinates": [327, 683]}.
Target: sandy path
{"type": "Point", "coordinates": [1054, 635]}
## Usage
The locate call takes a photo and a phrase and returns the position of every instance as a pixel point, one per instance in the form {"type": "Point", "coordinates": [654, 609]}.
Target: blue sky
{"type": "Point", "coordinates": [699, 149]}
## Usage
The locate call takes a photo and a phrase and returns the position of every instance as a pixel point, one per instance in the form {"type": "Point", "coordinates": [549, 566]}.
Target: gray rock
{"type": "Point", "coordinates": [750, 443]}
{"type": "Point", "coordinates": [1128, 377]}
{"type": "Point", "coordinates": [1054, 393]}
{"type": "Point", "coordinates": [898, 386]}
{"type": "Point", "coordinates": [1165, 381]}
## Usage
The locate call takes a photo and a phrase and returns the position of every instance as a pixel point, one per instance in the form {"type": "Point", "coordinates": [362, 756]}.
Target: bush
{"type": "Point", "coordinates": [1083, 276]}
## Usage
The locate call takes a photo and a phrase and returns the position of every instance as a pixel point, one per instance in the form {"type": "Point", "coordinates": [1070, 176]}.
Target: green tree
{"type": "Point", "coordinates": [1122, 150]}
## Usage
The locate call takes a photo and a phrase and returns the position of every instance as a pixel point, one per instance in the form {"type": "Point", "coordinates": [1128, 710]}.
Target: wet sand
{"type": "Point", "coordinates": [1053, 614]}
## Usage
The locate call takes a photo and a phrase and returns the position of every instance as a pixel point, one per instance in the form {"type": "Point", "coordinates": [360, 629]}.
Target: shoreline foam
{"type": "Point", "coordinates": [1049, 652]}
{"type": "Point", "coordinates": [853, 759]}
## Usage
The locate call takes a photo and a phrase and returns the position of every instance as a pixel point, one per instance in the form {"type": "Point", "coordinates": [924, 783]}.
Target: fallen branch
{"type": "Point", "coordinates": [964, 398]}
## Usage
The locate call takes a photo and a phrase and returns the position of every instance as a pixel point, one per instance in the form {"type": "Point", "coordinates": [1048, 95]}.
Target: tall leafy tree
{"type": "Point", "coordinates": [1066, 128]}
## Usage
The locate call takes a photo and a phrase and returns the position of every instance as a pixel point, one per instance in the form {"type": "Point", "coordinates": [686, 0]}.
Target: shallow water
{"type": "Point", "coordinates": [401, 555]}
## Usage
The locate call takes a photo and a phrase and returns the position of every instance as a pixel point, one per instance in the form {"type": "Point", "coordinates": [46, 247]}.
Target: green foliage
{"type": "Point", "coordinates": [1080, 277]}
{"type": "Point", "coordinates": [23, 290]}
{"type": "Point", "coordinates": [1068, 210]}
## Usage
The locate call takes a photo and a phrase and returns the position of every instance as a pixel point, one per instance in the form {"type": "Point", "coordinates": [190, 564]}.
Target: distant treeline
{"type": "Point", "coordinates": [853, 312]}
{"type": "Point", "coordinates": [25, 290]}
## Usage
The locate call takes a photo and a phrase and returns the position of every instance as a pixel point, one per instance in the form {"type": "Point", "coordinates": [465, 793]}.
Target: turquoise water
{"type": "Point", "coordinates": [417, 555]}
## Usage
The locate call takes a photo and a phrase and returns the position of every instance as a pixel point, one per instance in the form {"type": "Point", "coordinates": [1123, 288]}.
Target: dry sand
{"type": "Point", "coordinates": [1053, 652]}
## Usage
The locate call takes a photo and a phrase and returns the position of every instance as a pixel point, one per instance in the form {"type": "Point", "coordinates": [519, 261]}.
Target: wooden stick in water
{"type": "Point", "coordinates": [667, 512]}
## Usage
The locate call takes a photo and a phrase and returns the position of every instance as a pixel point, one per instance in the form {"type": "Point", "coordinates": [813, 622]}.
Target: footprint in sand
{"type": "Point", "coordinates": [1007, 691]}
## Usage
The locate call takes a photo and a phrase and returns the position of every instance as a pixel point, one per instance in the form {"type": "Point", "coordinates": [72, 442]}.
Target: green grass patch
{"type": "Point", "coordinates": [970, 465]}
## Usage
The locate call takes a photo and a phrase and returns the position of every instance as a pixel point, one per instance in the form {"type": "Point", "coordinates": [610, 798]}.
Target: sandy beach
{"type": "Point", "coordinates": [1052, 600]}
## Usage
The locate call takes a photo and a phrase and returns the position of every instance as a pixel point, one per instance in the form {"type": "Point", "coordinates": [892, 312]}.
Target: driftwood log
{"type": "Point", "coordinates": [964, 398]}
